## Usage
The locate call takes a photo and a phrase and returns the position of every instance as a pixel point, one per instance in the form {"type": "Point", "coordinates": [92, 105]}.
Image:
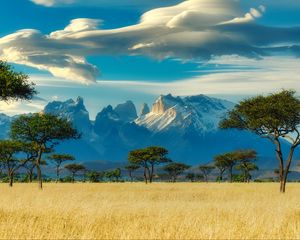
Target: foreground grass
{"type": "Point", "coordinates": [157, 211]}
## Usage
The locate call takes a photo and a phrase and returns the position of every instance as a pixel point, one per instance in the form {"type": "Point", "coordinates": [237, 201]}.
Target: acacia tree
{"type": "Point", "coordinates": [44, 131]}
{"type": "Point", "coordinates": [191, 177]}
{"type": "Point", "coordinates": [14, 85]}
{"type": "Point", "coordinates": [157, 157]}
{"type": "Point", "coordinates": [220, 162]}
{"type": "Point", "coordinates": [175, 169]}
{"type": "Point", "coordinates": [131, 168]}
{"type": "Point", "coordinates": [147, 158]}
{"type": "Point", "coordinates": [58, 159]}
{"type": "Point", "coordinates": [140, 157]}
{"type": "Point", "coordinates": [274, 117]}
{"type": "Point", "coordinates": [246, 164]}
{"type": "Point", "coordinates": [74, 168]}
{"type": "Point", "coordinates": [8, 151]}
{"type": "Point", "coordinates": [206, 170]}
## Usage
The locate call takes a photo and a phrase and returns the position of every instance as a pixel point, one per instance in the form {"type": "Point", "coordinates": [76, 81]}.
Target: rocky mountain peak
{"type": "Point", "coordinates": [126, 111]}
{"type": "Point", "coordinates": [164, 102]}
{"type": "Point", "coordinates": [144, 109]}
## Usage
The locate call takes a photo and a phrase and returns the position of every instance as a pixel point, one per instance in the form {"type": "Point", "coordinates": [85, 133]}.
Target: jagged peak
{"type": "Point", "coordinates": [144, 109]}
{"type": "Point", "coordinates": [126, 111]}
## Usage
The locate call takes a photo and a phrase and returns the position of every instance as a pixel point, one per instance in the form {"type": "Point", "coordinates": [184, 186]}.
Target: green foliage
{"type": "Point", "coordinates": [148, 158]}
{"type": "Point", "coordinates": [14, 85]}
{"type": "Point", "coordinates": [276, 114]}
{"type": "Point", "coordinates": [175, 169]}
{"type": "Point", "coordinates": [113, 175]}
{"type": "Point", "coordinates": [191, 177]}
{"type": "Point", "coordinates": [74, 168]}
{"type": "Point", "coordinates": [42, 129]}
{"type": "Point", "coordinates": [206, 170]}
{"type": "Point", "coordinates": [94, 176]}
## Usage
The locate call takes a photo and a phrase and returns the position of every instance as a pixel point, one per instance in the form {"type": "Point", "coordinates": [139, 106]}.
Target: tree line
{"type": "Point", "coordinates": [275, 117]}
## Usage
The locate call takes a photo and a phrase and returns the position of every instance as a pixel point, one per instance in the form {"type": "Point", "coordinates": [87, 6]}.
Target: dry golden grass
{"type": "Point", "coordinates": [157, 211]}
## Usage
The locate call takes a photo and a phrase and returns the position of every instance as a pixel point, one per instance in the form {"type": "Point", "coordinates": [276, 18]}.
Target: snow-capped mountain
{"type": "Point", "coordinates": [200, 113]}
{"type": "Point", "coordinates": [186, 126]}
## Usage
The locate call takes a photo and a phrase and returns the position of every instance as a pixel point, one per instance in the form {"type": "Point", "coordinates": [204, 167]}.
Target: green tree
{"type": "Point", "coordinates": [175, 169]}
{"type": "Point", "coordinates": [221, 163]}
{"type": "Point", "coordinates": [31, 153]}
{"type": "Point", "coordinates": [8, 151]}
{"type": "Point", "coordinates": [14, 85]}
{"type": "Point", "coordinates": [191, 177]}
{"type": "Point", "coordinates": [147, 158]}
{"type": "Point", "coordinates": [44, 131]}
{"type": "Point", "coordinates": [206, 170]}
{"type": "Point", "coordinates": [74, 168]}
{"type": "Point", "coordinates": [58, 159]}
{"type": "Point", "coordinates": [274, 117]}
{"type": "Point", "coordinates": [131, 168]}
{"type": "Point", "coordinates": [113, 174]}
{"type": "Point", "coordinates": [157, 157]}
{"type": "Point", "coordinates": [94, 176]}
{"type": "Point", "coordinates": [246, 164]}
{"type": "Point", "coordinates": [140, 157]}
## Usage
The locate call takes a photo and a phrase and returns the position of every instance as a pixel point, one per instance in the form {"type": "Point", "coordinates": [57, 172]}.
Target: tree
{"type": "Point", "coordinates": [140, 157]}
{"type": "Point", "coordinates": [14, 85]}
{"type": "Point", "coordinates": [245, 163]}
{"type": "Point", "coordinates": [274, 117]}
{"type": "Point", "coordinates": [44, 131]}
{"type": "Point", "coordinates": [58, 159]}
{"type": "Point", "coordinates": [191, 177]}
{"type": "Point", "coordinates": [175, 169]}
{"type": "Point", "coordinates": [8, 151]}
{"type": "Point", "coordinates": [131, 168]}
{"type": "Point", "coordinates": [74, 168]}
{"type": "Point", "coordinates": [147, 158]}
{"type": "Point", "coordinates": [221, 163]}
{"type": "Point", "coordinates": [113, 174]}
{"type": "Point", "coordinates": [206, 170]}
{"type": "Point", "coordinates": [157, 157]}
{"type": "Point", "coordinates": [94, 176]}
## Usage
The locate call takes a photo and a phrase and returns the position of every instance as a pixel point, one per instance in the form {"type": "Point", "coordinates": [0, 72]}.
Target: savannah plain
{"type": "Point", "coordinates": [153, 211]}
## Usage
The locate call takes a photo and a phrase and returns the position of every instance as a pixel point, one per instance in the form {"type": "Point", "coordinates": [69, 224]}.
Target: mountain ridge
{"type": "Point", "coordinates": [186, 126]}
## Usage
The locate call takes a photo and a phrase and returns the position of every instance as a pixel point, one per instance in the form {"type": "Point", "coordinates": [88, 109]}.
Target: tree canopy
{"type": "Point", "coordinates": [44, 131]}
{"type": "Point", "coordinates": [275, 117]}
{"type": "Point", "coordinates": [14, 85]}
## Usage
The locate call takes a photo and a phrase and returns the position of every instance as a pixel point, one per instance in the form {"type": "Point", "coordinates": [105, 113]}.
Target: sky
{"type": "Point", "coordinates": [110, 51]}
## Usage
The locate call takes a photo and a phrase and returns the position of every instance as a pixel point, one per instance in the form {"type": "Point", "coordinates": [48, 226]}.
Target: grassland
{"type": "Point", "coordinates": [157, 211]}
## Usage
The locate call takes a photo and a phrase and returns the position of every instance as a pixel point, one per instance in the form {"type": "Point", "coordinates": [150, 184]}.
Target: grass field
{"type": "Point", "coordinates": [157, 211]}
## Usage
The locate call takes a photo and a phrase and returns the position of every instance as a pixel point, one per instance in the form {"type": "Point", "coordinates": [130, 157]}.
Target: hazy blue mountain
{"type": "Point", "coordinates": [187, 126]}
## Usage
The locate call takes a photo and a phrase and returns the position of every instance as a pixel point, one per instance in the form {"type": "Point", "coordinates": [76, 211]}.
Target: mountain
{"type": "Point", "coordinates": [186, 126]}
{"type": "Point", "coordinates": [200, 114]}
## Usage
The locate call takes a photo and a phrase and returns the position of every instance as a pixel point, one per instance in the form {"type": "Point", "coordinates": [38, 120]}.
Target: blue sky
{"type": "Point", "coordinates": [108, 51]}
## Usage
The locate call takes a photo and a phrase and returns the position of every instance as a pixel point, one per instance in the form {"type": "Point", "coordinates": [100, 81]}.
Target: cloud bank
{"type": "Point", "coordinates": [194, 29]}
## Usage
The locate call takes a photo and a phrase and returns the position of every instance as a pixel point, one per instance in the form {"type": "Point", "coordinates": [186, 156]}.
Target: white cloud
{"type": "Point", "coordinates": [193, 29]}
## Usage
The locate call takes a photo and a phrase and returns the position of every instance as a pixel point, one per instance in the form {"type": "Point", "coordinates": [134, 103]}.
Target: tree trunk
{"type": "Point", "coordinates": [287, 168]}
{"type": "Point", "coordinates": [206, 178]}
{"type": "Point", "coordinates": [230, 174]}
{"type": "Point", "coordinates": [11, 178]}
{"type": "Point", "coordinates": [145, 175]}
{"type": "Point", "coordinates": [30, 173]}
{"type": "Point", "coordinates": [280, 163]}
{"type": "Point", "coordinates": [130, 175]}
{"type": "Point", "coordinates": [151, 173]}
{"type": "Point", "coordinates": [57, 174]}
{"type": "Point", "coordinates": [38, 169]}
{"type": "Point", "coordinates": [73, 177]}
